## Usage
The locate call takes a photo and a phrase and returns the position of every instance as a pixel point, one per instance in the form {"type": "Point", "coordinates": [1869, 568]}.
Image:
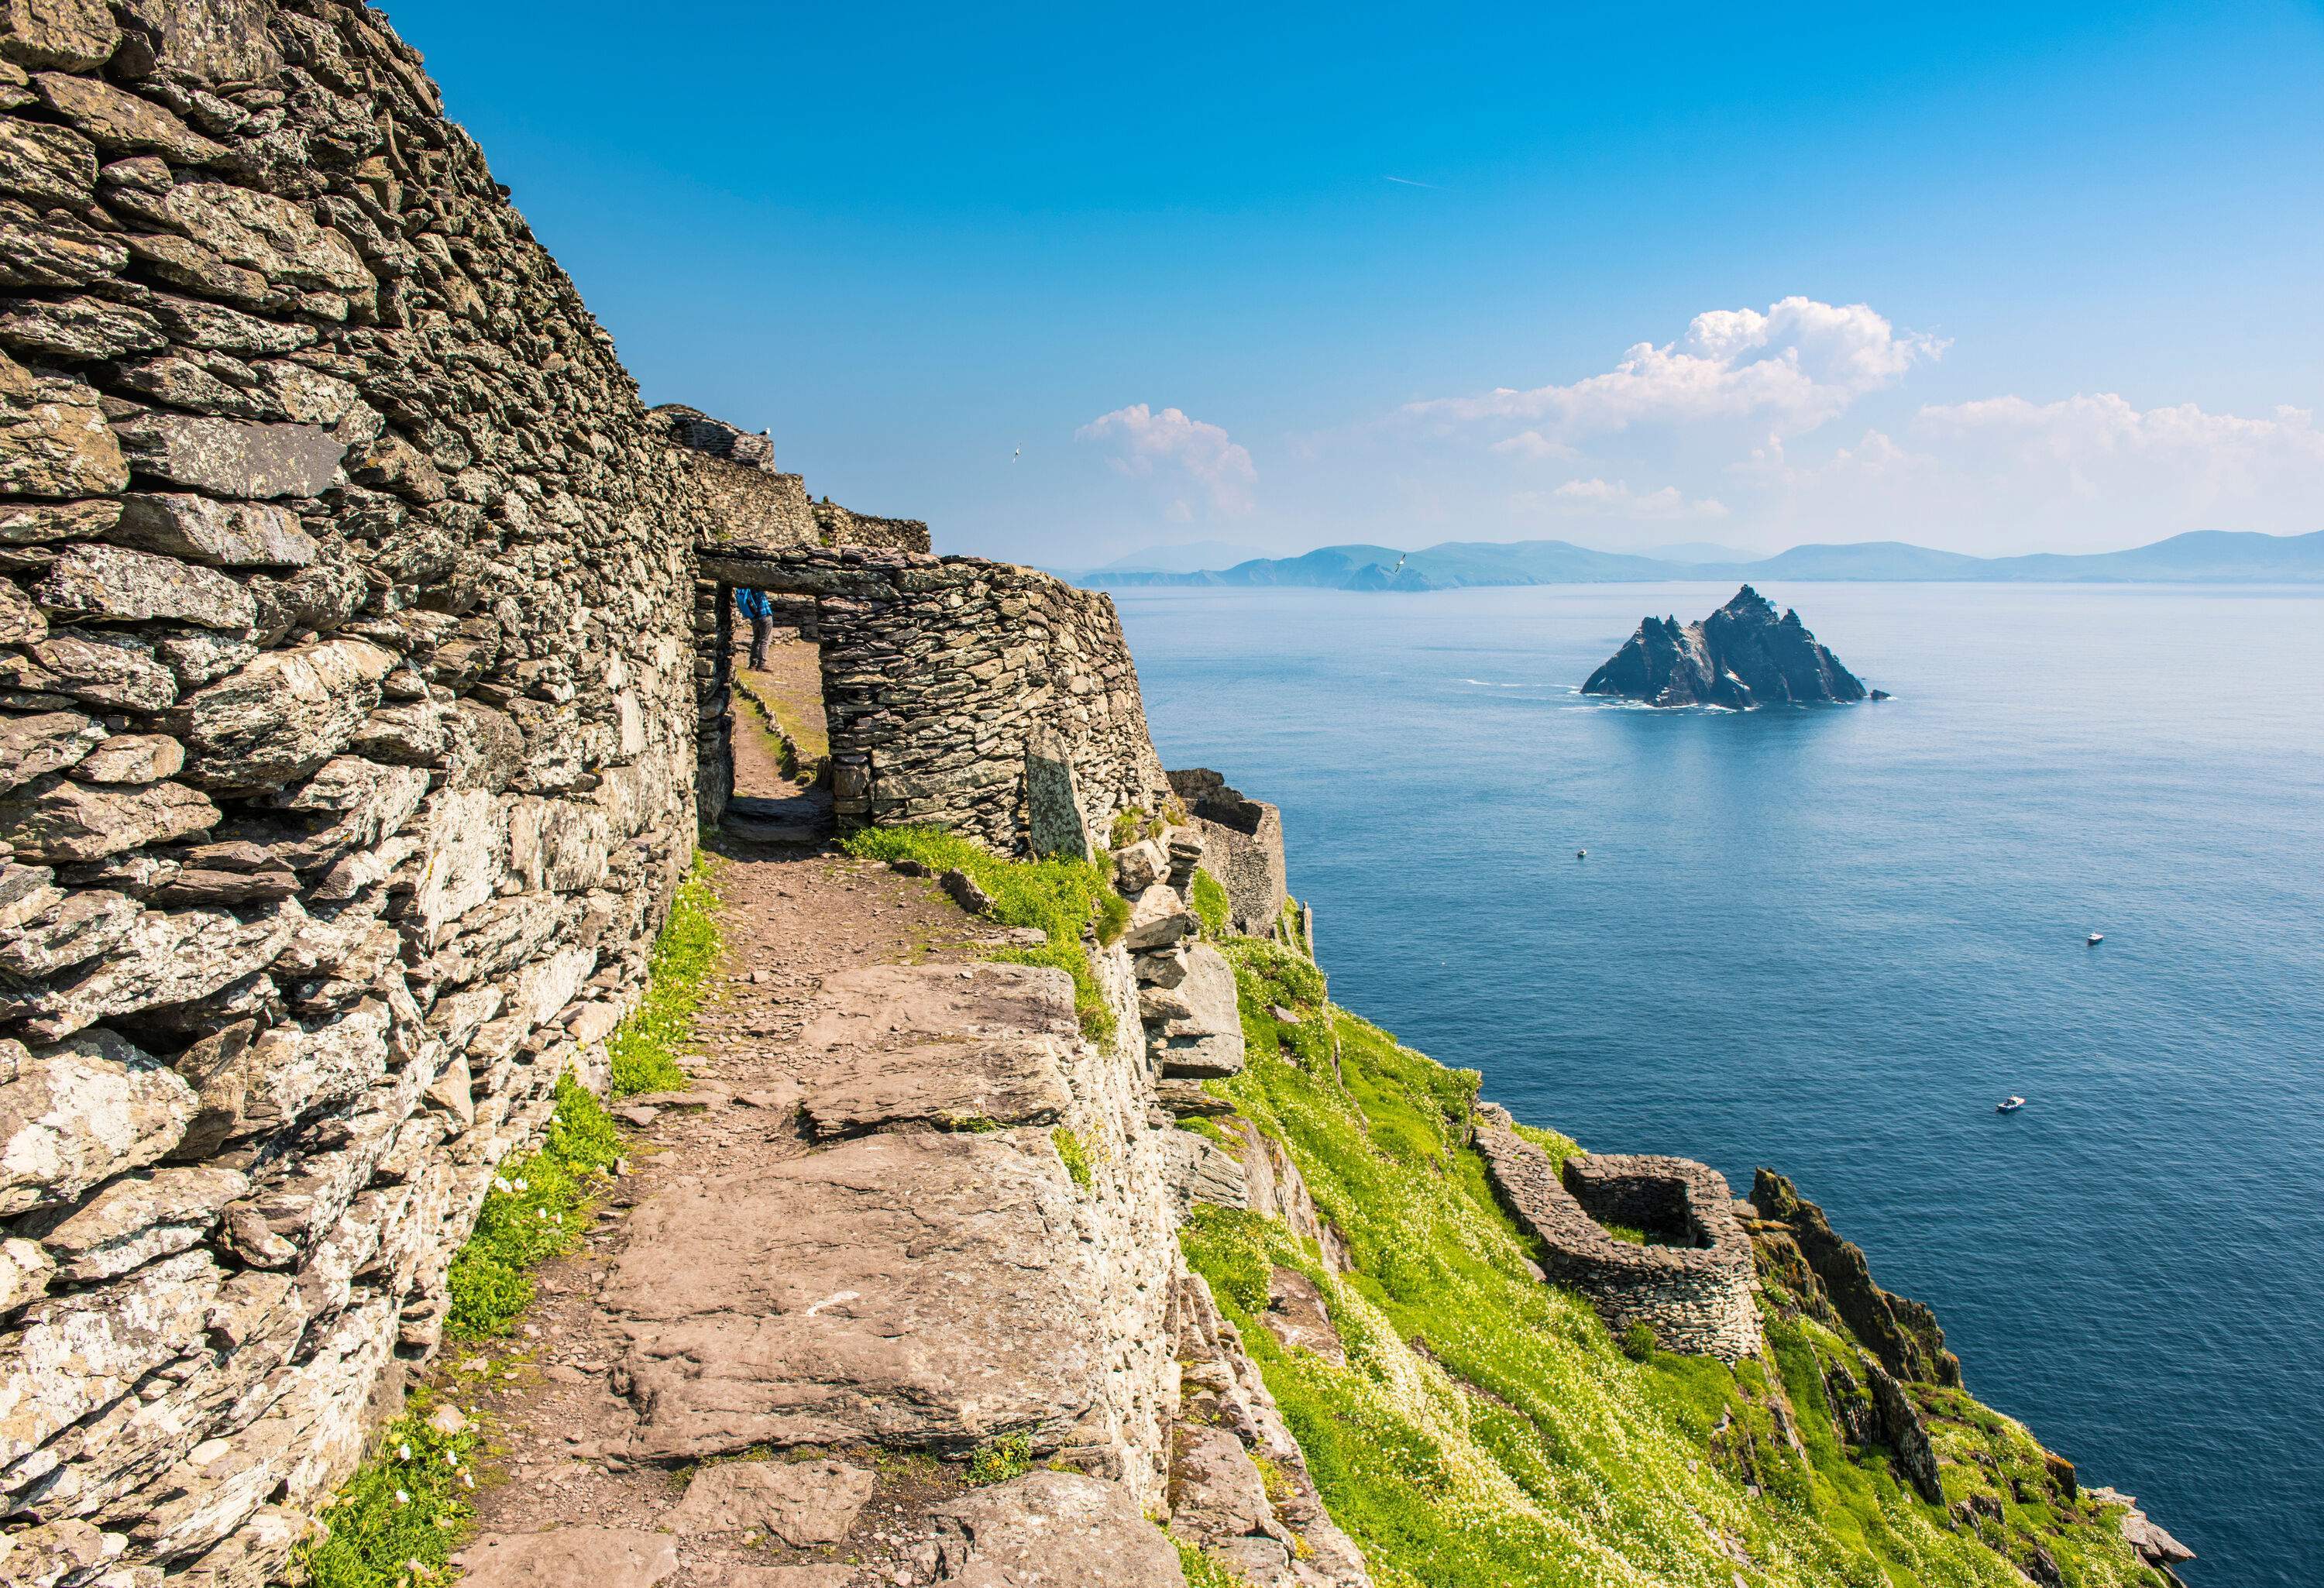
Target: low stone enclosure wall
{"type": "Point", "coordinates": [1243, 844]}
{"type": "Point", "coordinates": [989, 698]}
{"type": "Point", "coordinates": [1693, 1285]}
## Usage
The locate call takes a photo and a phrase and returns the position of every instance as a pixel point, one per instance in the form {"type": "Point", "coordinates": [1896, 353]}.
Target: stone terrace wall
{"type": "Point", "coordinates": [1244, 842]}
{"type": "Point", "coordinates": [840, 527]}
{"type": "Point", "coordinates": [744, 496]}
{"type": "Point", "coordinates": [1697, 1298]}
{"type": "Point", "coordinates": [941, 675]}
{"type": "Point", "coordinates": [346, 747]}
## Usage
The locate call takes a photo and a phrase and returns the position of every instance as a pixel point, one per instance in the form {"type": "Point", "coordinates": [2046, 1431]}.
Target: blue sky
{"type": "Point", "coordinates": [1994, 278]}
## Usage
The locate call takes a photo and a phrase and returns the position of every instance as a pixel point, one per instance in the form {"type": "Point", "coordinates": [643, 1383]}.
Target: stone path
{"type": "Point", "coordinates": [771, 805]}
{"type": "Point", "coordinates": [798, 1266]}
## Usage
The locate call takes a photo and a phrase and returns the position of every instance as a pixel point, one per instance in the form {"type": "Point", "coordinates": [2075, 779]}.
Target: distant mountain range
{"type": "Point", "coordinates": [1189, 558]}
{"type": "Point", "coordinates": [2198, 557]}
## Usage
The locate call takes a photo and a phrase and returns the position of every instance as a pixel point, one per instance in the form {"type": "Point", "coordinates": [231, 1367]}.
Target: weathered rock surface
{"type": "Point", "coordinates": [1052, 1528]}
{"type": "Point", "coordinates": [231, 457]}
{"type": "Point", "coordinates": [113, 583]}
{"type": "Point", "coordinates": [59, 818]}
{"type": "Point", "coordinates": [1797, 1244]}
{"type": "Point", "coordinates": [53, 439]}
{"type": "Point", "coordinates": [801, 1502]}
{"type": "Point", "coordinates": [1194, 1028]}
{"type": "Point", "coordinates": [2142, 1533]}
{"type": "Point", "coordinates": [202, 528]}
{"type": "Point", "coordinates": [48, 742]}
{"type": "Point", "coordinates": [939, 1048]}
{"type": "Point", "coordinates": [131, 758]}
{"type": "Point", "coordinates": [913, 1290]}
{"type": "Point", "coordinates": [281, 717]}
{"type": "Point", "coordinates": [1158, 919]}
{"type": "Point", "coordinates": [74, 1115]}
{"type": "Point", "coordinates": [1740, 656]}
{"type": "Point", "coordinates": [1275, 1533]}
{"type": "Point", "coordinates": [155, 1212]}
{"type": "Point", "coordinates": [569, 1557]}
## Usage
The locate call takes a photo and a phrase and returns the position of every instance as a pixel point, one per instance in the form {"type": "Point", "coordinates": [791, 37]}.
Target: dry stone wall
{"type": "Point", "coordinates": [1243, 844]}
{"type": "Point", "coordinates": [942, 676]}
{"type": "Point", "coordinates": [346, 732]}
{"type": "Point", "coordinates": [1693, 1285]}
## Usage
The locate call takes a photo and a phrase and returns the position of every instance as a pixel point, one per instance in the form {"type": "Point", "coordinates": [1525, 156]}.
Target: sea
{"type": "Point", "coordinates": [1829, 939]}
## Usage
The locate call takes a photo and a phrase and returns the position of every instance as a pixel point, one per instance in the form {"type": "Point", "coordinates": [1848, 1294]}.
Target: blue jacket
{"type": "Point", "coordinates": [752, 604]}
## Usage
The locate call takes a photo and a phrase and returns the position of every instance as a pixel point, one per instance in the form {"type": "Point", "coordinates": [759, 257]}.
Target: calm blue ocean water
{"type": "Point", "coordinates": [1830, 940]}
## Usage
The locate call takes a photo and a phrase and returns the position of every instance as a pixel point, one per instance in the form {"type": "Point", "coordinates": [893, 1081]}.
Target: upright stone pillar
{"type": "Point", "coordinates": [1053, 804]}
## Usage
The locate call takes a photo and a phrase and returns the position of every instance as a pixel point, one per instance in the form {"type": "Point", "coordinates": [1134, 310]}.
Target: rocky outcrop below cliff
{"type": "Point", "coordinates": [1741, 656]}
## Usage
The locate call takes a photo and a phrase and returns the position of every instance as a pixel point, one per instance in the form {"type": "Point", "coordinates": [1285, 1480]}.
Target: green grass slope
{"type": "Point", "coordinates": [1488, 1431]}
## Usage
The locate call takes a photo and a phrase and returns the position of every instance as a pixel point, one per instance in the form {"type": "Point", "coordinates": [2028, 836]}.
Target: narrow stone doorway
{"type": "Point", "coordinates": [765, 773]}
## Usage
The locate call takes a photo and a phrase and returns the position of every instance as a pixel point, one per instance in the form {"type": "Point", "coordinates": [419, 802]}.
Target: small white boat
{"type": "Point", "coordinates": [2009, 1104]}
{"type": "Point", "coordinates": [2096, 938]}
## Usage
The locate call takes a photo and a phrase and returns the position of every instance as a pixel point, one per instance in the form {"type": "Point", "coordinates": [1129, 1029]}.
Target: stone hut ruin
{"type": "Point", "coordinates": [1692, 1281]}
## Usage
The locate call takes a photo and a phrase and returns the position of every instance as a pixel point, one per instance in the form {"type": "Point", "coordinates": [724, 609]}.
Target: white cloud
{"type": "Point", "coordinates": [2224, 450]}
{"type": "Point", "coordinates": [1615, 499]}
{"type": "Point", "coordinates": [1534, 446]}
{"type": "Point", "coordinates": [1795, 367]}
{"type": "Point", "coordinates": [1143, 441]}
{"type": "Point", "coordinates": [2003, 474]}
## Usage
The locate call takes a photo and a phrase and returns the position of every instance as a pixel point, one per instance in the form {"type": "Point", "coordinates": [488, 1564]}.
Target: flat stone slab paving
{"type": "Point", "coordinates": [901, 1005]}
{"type": "Point", "coordinates": [938, 1047]}
{"type": "Point", "coordinates": [1052, 1528]}
{"type": "Point", "coordinates": [911, 1289]}
{"type": "Point", "coordinates": [568, 1557]}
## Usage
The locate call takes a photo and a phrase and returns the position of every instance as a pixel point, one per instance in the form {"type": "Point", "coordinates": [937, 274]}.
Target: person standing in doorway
{"type": "Point", "coordinates": [753, 605]}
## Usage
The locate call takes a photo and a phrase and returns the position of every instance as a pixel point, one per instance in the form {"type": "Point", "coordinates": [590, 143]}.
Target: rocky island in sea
{"type": "Point", "coordinates": [1742, 655]}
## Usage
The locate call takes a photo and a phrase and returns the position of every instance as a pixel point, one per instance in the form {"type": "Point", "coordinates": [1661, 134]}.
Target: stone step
{"type": "Point", "coordinates": [920, 1290]}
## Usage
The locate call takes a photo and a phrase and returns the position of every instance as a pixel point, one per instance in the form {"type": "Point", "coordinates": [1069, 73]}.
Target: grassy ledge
{"type": "Point", "coordinates": [1488, 1430]}
{"type": "Point", "coordinates": [1206, 896]}
{"type": "Point", "coordinates": [1075, 1155]}
{"type": "Point", "coordinates": [397, 1521]}
{"type": "Point", "coordinates": [646, 1048]}
{"type": "Point", "coordinates": [538, 1206]}
{"type": "Point", "coordinates": [1064, 897]}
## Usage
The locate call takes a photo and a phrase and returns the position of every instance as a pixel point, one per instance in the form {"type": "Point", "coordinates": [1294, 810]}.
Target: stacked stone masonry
{"type": "Point", "coordinates": [1244, 842]}
{"type": "Point", "coordinates": [943, 677]}
{"type": "Point", "coordinates": [1693, 1283]}
{"type": "Point", "coordinates": [346, 748]}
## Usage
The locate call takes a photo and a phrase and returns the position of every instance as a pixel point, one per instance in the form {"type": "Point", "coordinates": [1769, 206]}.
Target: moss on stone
{"type": "Point", "coordinates": [646, 1050]}
{"type": "Point", "coordinates": [1206, 896]}
{"type": "Point", "coordinates": [1064, 899]}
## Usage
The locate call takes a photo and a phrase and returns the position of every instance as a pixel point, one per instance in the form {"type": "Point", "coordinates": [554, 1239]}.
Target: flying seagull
{"type": "Point", "coordinates": [1016, 455]}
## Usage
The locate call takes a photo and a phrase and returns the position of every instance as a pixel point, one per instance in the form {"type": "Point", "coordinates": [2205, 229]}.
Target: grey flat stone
{"type": "Point", "coordinates": [942, 1047]}
{"type": "Point", "coordinates": [568, 1557]}
{"type": "Point", "coordinates": [1048, 1529]}
{"type": "Point", "coordinates": [892, 1004]}
{"type": "Point", "coordinates": [905, 1288]}
{"type": "Point", "coordinates": [801, 1502]}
